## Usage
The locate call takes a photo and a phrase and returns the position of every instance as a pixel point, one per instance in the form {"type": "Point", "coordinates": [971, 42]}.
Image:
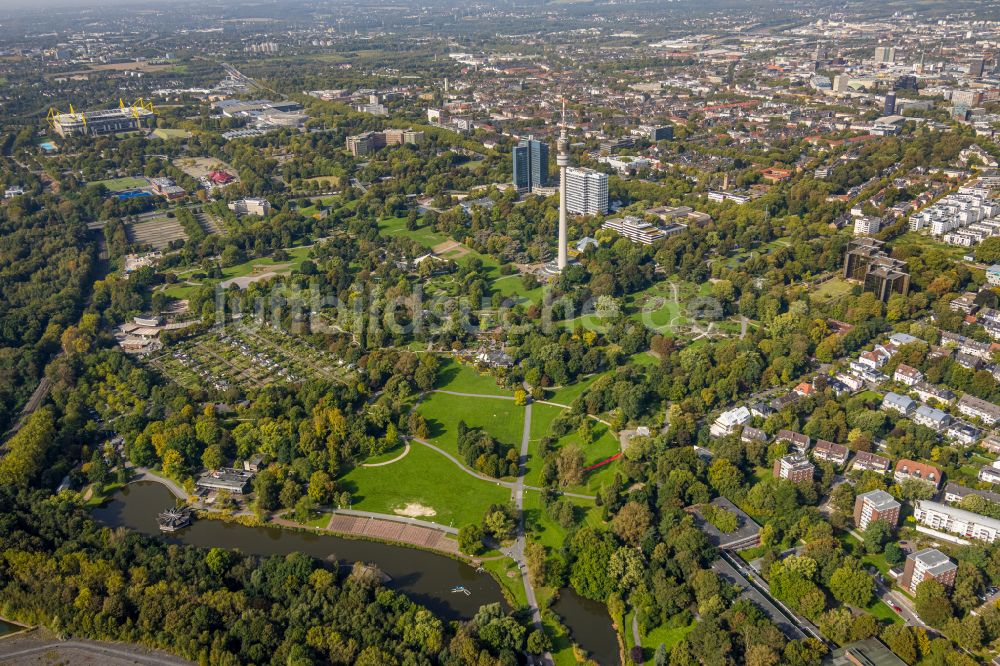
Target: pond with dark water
{"type": "Point", "coordinates": [425, 577]}
{"type": "Point", "coordinates": [590, 625]}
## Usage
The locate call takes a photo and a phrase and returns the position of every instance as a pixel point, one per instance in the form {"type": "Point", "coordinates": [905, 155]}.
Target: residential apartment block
{"type": "Point", "coordinates": [978, 408]}
{"type": "Point", "coordinates": [795, 467]}
{"type": "Point", "coordinates": [586, 191]}
{"type": "Point", "coordinates": [945, 518]}
{"type": "Point", "coordinates": [929, 563]}
{"type": "Point", "coordinates": [875, 505]}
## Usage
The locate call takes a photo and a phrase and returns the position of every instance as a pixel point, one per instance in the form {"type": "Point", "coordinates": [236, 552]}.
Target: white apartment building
{"type": "Point", "coordinates": [953, 520]}
{"type": "Point", "coordinates": [964, 218]}
{"type": "Point", "coordinates": [729, 421]}
{"type": "Point", "coordinates": [638, 230]}
{"type": "Point", "coordinates": [259, 207]}
{"type": "Point", "coordinates": [867, 225]}
{"type": "Point", "coordinates": [586, 191]}
{"type": "Point", "coordinates": [978, 408]}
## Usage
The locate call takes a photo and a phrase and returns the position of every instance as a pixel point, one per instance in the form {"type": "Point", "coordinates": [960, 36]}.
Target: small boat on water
{"type": "Point", "coordinates": [172, 520]}
{"type": "Point", "coordinates": [462, 589]}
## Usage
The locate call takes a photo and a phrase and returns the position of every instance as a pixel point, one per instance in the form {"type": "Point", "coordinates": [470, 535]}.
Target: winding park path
{"type": "Point", "coordinates": [490, 479]}
{"type": "Point", "coordinates": [146, 474]}
{"type": "Point", "coordinates": [389, 462]}
{"type": "Point", "coordinates": [36, 649]}
{"type": "Point", "coordinates": [515, 551]}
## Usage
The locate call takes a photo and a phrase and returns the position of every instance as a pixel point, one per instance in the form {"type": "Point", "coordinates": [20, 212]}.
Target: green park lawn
{"type": "Point", "coordinates": [541, 419]}
{"type": "Point", "coordinates": [510, 286]}
{"type": "Point", "coordinates": [883, 613]}
{"type": "Point", "coordinates": [856, 548]}
{"type": "Point", "coordinates": [309, 208]}
{"type": "Point", "coordinates": [565, 395]}
{"type": "Point", "coordinates": [463, 378]}
{"type": "Point", "coordinates": [426, 236]}
{"type": "Point", "coordinates": [427, 478]}
{"type": "Point", "coordinates": [546, 531]}
{"type": "Point", "coordinates": [501, 568]}
{"type": "Point", "coordinates": [429, 238]}
{"type": "Point", "coordinates": [604, 446]}
{"type": "Point", "coordinates": [586, 322]}
{"type": "Point", "coordinates": [295, 256]}
{"type": "Point", "coordinates": [655, 306]}
{"type": "Point", "coordinates": [181, 291]}
{"type": "Point", "coordinates": [922, 243]}
{"type": "Point", "coordinates": [668, 636]}
{"type": "Point", "coordinates": [501, 418]}
{"type": "Point", "coordinates": [644, 360]}
{"type": "Point", "coordinates": [382, 457]}
{"type": "Point", "coordinates": [832, 289]}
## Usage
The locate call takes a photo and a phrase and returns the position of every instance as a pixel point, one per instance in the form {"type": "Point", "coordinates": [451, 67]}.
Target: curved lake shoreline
{"type": "Point", "coordinates": [425, 577]}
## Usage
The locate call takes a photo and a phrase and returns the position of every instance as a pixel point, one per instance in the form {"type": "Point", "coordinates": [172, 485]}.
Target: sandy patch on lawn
{"type": "Point", "coordinates": [451, 249]}
{"type": "Point", "coordinates": [415, 510]}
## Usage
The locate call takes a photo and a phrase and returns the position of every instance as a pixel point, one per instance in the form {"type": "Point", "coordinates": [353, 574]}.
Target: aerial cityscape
{"type": "Point", "coordinates": [571, 332]}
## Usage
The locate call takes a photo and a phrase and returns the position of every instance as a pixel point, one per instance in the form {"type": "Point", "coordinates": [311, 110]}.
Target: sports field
{"type": "Point", "coordinates": [125, 183]}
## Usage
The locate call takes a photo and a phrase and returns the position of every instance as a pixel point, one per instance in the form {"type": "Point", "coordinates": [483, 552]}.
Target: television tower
{"type": "Point", "coordinates": [562, 160]}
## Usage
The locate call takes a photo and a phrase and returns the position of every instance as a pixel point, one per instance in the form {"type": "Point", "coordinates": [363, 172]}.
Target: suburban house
{"type": "Point", "coordinates": [887, 348]}
{"type": "Point", "coordinates": [872, 359]}
{"type": "Point", "coordinates": [850, 381]}
{"type": "Point", "coordinates": [954, 493]}
{"type": "Point", "coordinates": [871, 462]}
{"type": "Point", "coordinates": [751, 434]}
{"type": "Point", "coordinates": [796, 440]}
{"type": "Point", "coordinates": [962, 433]}
{"type": "Point", "coordinates": [902, 404]}
{"type": "Point", "coordinates": [918, 471]}
{"type": "Point", "coordinates": [991, 443]}
{"type": "Point", "coordinates": [990, 473]}
{"type": "Point", "coordinates": [900, 339]}
{"type": "Point", "coordinates": [729, 421]}
{"type": "Point", "coordinates": [830, 452]}
{"type": "Point", "coordinates": [980, 409]}
{"type": "Point", "coordinates": [931, 417]}
{"type": "Point", "coordinates": [928, 392]}
{"type": "Point", "coordinates": [907, 375]}
{"type": "Point", "coordinates": [805, 389]}
{"type": "Point", "coordinates": [783, 401]}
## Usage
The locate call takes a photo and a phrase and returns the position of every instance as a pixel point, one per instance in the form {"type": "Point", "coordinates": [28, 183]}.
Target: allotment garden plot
{"type": "Point", "coordinates": [157, 232]}
{"type": "Point", "coordinates": [244, 358]}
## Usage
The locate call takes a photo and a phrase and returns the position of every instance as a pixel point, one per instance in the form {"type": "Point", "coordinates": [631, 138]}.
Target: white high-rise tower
{"type": "Point", "coordinates": [562, 160]}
